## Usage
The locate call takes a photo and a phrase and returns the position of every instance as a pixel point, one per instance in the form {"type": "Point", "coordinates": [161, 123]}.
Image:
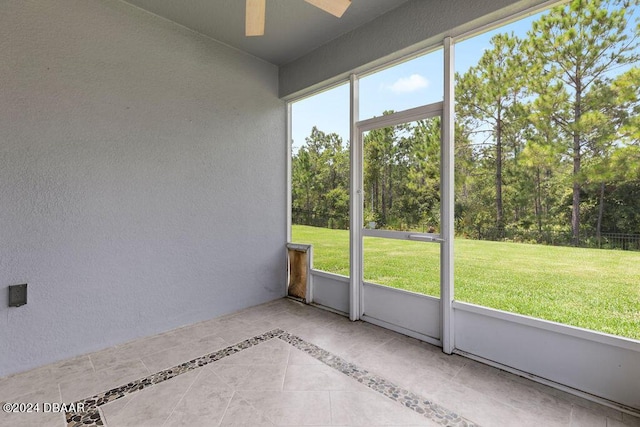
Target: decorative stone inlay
{"type": "Point", "coordinates": [88, 418]}
{"type": "Point", "coordinates": [91, 416]}
{"type": "Point", "coordinates": [411, 400]}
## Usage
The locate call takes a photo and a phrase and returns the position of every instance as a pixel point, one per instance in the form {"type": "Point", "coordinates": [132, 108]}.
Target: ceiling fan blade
{"type": "Point", "coordinates": [254, 22]}
{"type": "Point", "coordinates": [334, 7]}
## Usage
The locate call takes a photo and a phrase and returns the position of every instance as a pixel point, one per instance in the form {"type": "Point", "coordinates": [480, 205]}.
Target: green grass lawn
{"type": "Point", "coordinates": [590, 288]}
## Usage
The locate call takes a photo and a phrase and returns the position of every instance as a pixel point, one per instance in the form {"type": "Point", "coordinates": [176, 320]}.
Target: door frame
{"type": "Point", "coordinates": [407, 312]}
{"type": "Point", "coordinates": [445, 109]}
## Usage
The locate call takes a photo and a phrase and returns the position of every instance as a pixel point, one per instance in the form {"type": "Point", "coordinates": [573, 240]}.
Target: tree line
{"type": "Point", "coordinates": [547, 139]}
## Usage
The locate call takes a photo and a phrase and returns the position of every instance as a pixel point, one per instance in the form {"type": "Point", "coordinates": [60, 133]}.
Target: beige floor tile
{"type": "Point", "coordinates": [566, 397]}
{"type": "Point", "coordinates": [297, 314]}
{"type": "Point", "coordinates": [312, 316]}
{"type": "Point", "coordinates": [477, 406]}
{"type": "Point", "coordinates": [368, 408]}
{"type": "Point", "coordinates": [233, 320]}
{"type": "Point", "coordinates": [448, 365]}
{"type": "Point", "coordinates": [176, 355]}
{"type": "Point", "coordinates": [291, 407]}
{"type": "Point", "coordinates": [365, 342]}
{"type": "Point", "coordinates": [319, 378]}
{"type": "Point", "coordinates": [241, 413]}
{"type": "Point", "coordinates": [274, 383]}
{"type": "Point", "coordinates": [616, 423]}
{"type": "Point", "coordinates": [133, 350]}
{"type": "Point", "coordinates": [428, 383]}
{"type": "Point", "coordinates": [254, 377]}
{"type": "Point", "coordinates": [630, 420]}
{"type": "Point", "coordinates": [77, 367]}
{"type": "Point", "coordinates": [324, 338]}
{"type": "Point", "coordinates": [491, 382]}
{"type": "Point", "coordinates": [39, 419]}
{"type": "Point", "coordinates": [109, 357]}
{"type": "Point", "coordinates": [149, 407]}
{"type": "Point", "coordinates": [272, 352]}
{"type": "Point", "coordinates": [344, 326]}
{"type": "Point", "coordinates": [606, 411]}
{"type": "Point", "coordinates": [102, 380]}
{"type": "Point", "coordinates": [403, 368]}
{"type": "Point", "coordinates": [283, 320]}
{"type": "Point", "coordinates": [237, 333]}
{"type": "Point", "coordinates": [298, 357]}
{"type": "Point", "coordinates": [582, 417]}
{"type": "Point", "coordinates": [398, 353]}
{"type": "Point", "coordinates": [37, 383]}
{"type": "Point", "coordinates": [204, 403]}
{"type": "Point", "coordinates": [260, 313]}
{"type": "Point", "coordinates": [425, 360]}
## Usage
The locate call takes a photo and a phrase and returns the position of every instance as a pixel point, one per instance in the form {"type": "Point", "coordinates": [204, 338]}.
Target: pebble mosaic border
{"type": "Point", "coordinates": [411, 400]}
{"type": "Point", "coordinates": [91, 416]}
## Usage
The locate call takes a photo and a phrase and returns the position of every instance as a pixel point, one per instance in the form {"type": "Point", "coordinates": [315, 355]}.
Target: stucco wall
{"type": "Point", "coordinates": [142, 181]}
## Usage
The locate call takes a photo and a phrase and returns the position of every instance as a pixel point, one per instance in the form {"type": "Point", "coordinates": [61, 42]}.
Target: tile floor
{"type": "Point", "coordinates": [284, 363]}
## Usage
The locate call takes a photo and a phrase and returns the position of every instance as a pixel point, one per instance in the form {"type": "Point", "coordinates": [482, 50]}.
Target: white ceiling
{"type": "Point", "coordinates": [293, 27]}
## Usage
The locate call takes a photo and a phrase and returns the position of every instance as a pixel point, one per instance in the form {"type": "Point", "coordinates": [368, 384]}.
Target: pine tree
{"type": "Point", "coordinates": [576, 47]}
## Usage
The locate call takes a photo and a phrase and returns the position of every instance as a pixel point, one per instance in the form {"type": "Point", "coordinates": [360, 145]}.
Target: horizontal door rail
{"type": "Point", "coordinates": [400, 117]}
{"type": "Point", "coordinates": [403, 235]}
{"type": "Point", "coordinates": [426, 238]}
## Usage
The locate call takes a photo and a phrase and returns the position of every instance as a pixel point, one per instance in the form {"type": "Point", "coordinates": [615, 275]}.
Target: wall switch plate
{"type": "Point", "coordinates": [17, 295]}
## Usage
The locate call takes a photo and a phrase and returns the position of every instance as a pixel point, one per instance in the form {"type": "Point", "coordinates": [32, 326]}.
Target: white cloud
{"type": "Point", "coordinates": [409, 84]}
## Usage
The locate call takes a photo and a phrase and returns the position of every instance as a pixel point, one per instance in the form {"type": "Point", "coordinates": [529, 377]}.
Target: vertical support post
{"type": "Point", "coordinates": [309, 292]}
{"type": "Point", "coordinates": [288, 136]}
{"type": "Point", "coordinates": [355, 209]}
{"type": "Point", "coordinates": [447, 167]}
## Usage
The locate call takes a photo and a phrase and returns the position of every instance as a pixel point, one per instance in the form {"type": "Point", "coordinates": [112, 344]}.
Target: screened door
{"type": "Point", "coordinates": [399, 238]}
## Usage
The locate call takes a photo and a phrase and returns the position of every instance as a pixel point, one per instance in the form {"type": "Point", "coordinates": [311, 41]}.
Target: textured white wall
{"type": "Point", "coordinates": [142, 178]}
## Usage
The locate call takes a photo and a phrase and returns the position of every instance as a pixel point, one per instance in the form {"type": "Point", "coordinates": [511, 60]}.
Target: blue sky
{"type": "Point", "coordinates": [407, 85]}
